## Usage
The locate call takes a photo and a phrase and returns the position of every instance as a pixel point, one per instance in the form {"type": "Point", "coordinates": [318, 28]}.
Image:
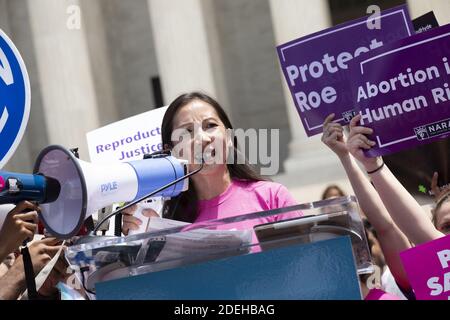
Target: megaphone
{"type": "Point", "coordinates": [16, 187]}
{"type": "Point", "coordinates": [70, 190]}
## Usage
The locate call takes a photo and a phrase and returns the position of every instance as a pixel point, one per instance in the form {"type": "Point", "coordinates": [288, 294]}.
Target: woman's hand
{"type": "Point", "coordinates": [18, 226]}
{"type": "Point", "coordinates": [42, 251]}
{"type": "Point", "coordinates": [358, 142]}
{"type": "Point", "coordinates": [130, 222]}
{"type": "Point", "coordinates": [60, 272]}
{"type": "Point", "coordinates": [333, 136]}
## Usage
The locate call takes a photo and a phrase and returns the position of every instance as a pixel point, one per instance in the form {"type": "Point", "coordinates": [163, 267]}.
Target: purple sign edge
{"type": "Point", "coordinates": [405, 255]}
{"type": "Point", "coordinates": [356, 63]}
{"type": "Point", "coordinates": [401, 8]}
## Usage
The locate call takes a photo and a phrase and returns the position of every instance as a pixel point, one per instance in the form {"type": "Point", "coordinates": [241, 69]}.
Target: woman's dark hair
{"type": "Point", "coordinates": [331, 187]}
{"type": "Point", "coordinates": [184, 207]}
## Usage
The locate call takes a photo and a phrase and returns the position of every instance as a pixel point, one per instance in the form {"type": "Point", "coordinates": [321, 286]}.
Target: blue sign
{"type": "Point", "coordinates": [323, 270]}
{"type": "Point", "coordinates": [14, 98]}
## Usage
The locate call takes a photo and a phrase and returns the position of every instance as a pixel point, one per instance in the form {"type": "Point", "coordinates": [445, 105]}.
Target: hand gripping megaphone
{"type": "Point", "coordinates": [69, 190]}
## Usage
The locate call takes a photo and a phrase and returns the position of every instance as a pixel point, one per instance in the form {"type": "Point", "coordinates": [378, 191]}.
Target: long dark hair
{"type": "Point", "coordinates": [184, 207]}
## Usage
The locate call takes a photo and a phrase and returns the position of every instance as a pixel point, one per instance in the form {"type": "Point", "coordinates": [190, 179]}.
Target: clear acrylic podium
{"type": "Point", "coordinates": [309, 251]}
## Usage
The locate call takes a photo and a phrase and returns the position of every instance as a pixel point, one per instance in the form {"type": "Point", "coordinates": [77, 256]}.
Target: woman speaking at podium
{"type": "Point", "coordinates": [223, 188]}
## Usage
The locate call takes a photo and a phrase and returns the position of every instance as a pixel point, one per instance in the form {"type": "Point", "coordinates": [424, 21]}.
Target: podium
{"type": "Point", "coordinates": [317, 256]}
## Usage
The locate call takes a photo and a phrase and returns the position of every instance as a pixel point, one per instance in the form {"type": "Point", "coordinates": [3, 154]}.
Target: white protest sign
{"type": "Point", "coordinates": [128, 139]}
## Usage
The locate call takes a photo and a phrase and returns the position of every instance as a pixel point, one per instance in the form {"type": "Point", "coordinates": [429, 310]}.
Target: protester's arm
{"type": "Point", "coordinates": [392, 240]}
{"type": "Point", "coordinates": [59, 273]}
{"type": "Point", "coordinates": [12, 284]}
{"type": "Point", "coordinates": [403, 208]}
{"type": "Point", "coordinates": [18, 226]}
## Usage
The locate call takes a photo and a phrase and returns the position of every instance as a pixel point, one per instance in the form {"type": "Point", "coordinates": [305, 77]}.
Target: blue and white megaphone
{"type": "Point", "coordinates": [69, 190]}
{"type": "Point", "coordinates": [16, 187]}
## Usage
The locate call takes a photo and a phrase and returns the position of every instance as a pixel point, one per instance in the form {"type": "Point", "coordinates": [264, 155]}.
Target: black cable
{"type": "Point", "coordinates": [29, 272]}
{"type": "Point", "coordinates": [177, 202]}
{"type": "Point", "coordinates": [145, 197]}
{"type": "Point", "coordinates": [82, 271]}
{"type": "Point", "coordinates": [118, 225]}
{"type": "Point", "coordinates": [28, 265]}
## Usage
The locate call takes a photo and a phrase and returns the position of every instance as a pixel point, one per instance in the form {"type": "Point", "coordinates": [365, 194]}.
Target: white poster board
{"type": "Point", "coordinates": [128, 139]}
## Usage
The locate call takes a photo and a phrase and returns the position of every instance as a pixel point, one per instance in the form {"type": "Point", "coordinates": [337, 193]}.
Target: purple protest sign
{"type": "Point", "coordinates": [402, 91]}
{"type": "Point", "coordinates": [428, 269]}
{"type": "Point", "coordinates": [316, 66]}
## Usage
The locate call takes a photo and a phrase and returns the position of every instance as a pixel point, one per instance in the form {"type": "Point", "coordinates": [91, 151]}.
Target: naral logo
{"type": "Point", "coordinates": [348, 115]}
{"type": "Point", "coordinates": [421, 133]}
{"type": "Point", "coordinates": [432, 129]}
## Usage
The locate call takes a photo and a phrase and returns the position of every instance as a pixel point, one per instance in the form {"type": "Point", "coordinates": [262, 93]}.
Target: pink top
{"type": "Point", "coordinates": [377, 294]}
{"type": "Point", "coordinates": [243, 197]}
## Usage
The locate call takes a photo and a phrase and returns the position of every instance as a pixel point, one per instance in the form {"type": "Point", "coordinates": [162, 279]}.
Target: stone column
{"type": "Point", "coordinates": [186, 48]}
{"type": "Point", "coordinates": [309, 161]}
{"type": "Point", "coordinates": [131, 54]}
{"type": "Point", "coordinates": [4, 19]}
{"type": "Point", "coordinates": [65, 75]}
{"type": "Point", "coordinates": [100, 59]}
{"type": "Point", "coordinates": [441, 9]}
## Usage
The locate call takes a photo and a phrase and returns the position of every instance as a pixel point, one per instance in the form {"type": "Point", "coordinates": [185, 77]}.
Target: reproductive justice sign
{"type": "Point", "coordinates": [128, 139]}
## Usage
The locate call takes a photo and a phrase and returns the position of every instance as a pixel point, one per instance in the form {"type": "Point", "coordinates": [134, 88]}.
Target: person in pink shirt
{"type": "Point", "coordinates": [193, 124]}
